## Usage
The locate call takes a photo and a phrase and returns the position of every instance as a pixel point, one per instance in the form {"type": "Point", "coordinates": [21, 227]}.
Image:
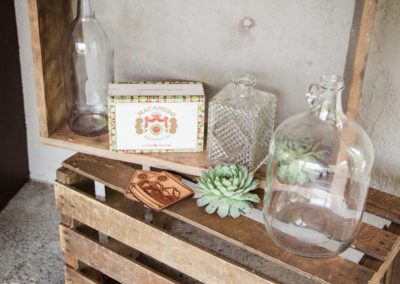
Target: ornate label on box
{"type": "Point", "coordinates": [140, 123]}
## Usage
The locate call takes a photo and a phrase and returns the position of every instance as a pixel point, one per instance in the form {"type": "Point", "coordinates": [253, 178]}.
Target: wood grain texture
{"type": "Point", "coordinates": [195, 163]}
{"type": "Point", "coordinates": [67, 176]}
{"type": "Point", "coordinates": [384, 205]}
{"type": "Point", "coordinates": [387, 263]}
{"type": "Point", "coordinates": [48, 20]}
{"type": "Point", "coordinates": [37, 66]}
{"type": "Point", "coordinates": [251, 235]}
{"type": "Point", "coordinates": [393, 276]}
{"type": "Point", "coordinates": [73, 276]}
{"type": "Point", "coordinates": [188, 163]}
{"type": "Point", "coordinates": [69, 259]}
{"type": "Point", "coordinates": [191, 260]}
{"type": "Point", "coordinates": [363, 25]}
{"type": "Point", "coordinates": [107, 261]}
{"type": "Point", "coordinates": [376, 242]}
{"type": "Point", "coordinates": [117, 175]}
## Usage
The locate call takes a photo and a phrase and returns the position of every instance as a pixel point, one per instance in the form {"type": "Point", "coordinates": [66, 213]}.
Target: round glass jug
{"type": "Point", "coordinates": [318, 173]}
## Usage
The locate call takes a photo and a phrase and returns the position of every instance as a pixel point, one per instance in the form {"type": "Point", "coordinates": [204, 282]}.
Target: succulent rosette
{"type": "Point", "coordinates": [300, 160]}
{"type": "Point", "coordinates": [225, 189]}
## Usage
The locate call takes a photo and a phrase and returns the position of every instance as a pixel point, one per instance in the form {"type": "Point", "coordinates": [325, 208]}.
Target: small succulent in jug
{"type": "Point", "coordinates": [300, 160]}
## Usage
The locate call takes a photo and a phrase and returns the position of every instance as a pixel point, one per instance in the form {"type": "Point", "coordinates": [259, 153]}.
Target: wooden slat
{"type": "Point", "coordinates": [156, 243]}
{"type": "Point", "coordinates": [384, 205]}
{"type": "Point", "coordinates": [387, 263]}
{"type": "Point", "coordinates": [363, 25]}
{"type": "Point", "coordinates": [67, 176]}
{"type": "Point", "coordinates": [378, 203]}
{"type": "Point", "coordinates": [73, 276]}
{"type": "Point", "coordinates": [110, 263]}
{"type": "Point", "coordinates": [37, 67]}
{"type": "Point", "coordinates": [393, 276]}
{"type": "Point", "coordinates": [375, 242]}
{"type": "Point", "coordinates": [118, 175]}
{"type": "Point", "coordinates": [196, 163]}
{"type": "Point", "coordinates": [48, 20]}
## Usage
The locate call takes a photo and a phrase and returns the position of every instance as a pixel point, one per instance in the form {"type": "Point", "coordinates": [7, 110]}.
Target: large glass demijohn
{"type": "Point", "coordinates": [88, 63]}
{"type": "Point", "coordinates": [318, 173]}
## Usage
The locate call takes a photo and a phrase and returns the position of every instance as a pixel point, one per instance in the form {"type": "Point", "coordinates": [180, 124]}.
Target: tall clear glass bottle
{"type": "Point", "coordinates": [318, 173]}
{"type": "Point", "coordinates": [240, 124]}
{"type": "Point", "coordinates": [88, 63]}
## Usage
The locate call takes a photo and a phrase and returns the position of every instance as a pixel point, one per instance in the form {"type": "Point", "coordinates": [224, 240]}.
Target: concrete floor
{"type": "Point", "coordinates": [29, 243]}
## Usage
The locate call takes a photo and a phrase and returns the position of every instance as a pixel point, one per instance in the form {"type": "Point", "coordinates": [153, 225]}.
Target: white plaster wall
{"type": "Point", "coordinates": [380, 109]}
{"type": "Point", "coordinates": [288, 45]}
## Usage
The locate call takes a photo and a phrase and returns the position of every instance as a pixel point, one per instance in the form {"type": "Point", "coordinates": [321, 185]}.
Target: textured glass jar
{"type": "Point", "coordinates": [240, 124]}
{"type": "Point", "coordinates": [318, 172]}
{"type": "Point", "coordinates": [88, 69]}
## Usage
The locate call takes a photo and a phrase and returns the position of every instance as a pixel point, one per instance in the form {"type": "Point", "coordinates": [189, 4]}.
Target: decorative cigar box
{"type": "Point", "coordinates": [156, 117]}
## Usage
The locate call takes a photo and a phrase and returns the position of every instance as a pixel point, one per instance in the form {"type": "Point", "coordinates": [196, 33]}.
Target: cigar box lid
{"type": "Point", "coordinates": [156, 89]}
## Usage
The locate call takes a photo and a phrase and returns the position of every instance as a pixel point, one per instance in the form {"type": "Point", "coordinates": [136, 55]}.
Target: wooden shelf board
{"type": "Point", "coordinates": [186, 163]}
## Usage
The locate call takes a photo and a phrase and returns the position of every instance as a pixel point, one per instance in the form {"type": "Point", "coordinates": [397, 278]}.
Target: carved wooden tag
{"type": "Point", "coordinates": [157, 190]}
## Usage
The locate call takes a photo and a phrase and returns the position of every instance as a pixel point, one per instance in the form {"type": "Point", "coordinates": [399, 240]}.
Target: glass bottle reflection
{"type": "Point", "coordinates": [88, 69]}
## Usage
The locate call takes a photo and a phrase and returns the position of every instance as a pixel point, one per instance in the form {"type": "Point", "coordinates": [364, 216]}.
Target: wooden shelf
{"type": "Point", "coordinates": [48, 20]}
{"type": "Point", "coordinates": [186, 163]}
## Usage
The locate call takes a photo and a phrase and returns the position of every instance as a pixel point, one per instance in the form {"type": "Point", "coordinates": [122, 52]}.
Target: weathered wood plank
{"type": "Point", "coordinates": [188, 163]}
{"type": "Point", "coordinates": [67, 176]}
{"type": "Point", "coordinates": [387, 263]}
{"type": "Point", "coordinates": [118, 174]}
{"type": "Point", "coordinates": [392, 275]}
{"type": "Point", "coordinates": [69, 259]}
{"type": "Point", "coordinates": [73, 276]}
{"type": "Point", "coordinates": [375, 242]}
{"type": "Point", "coordinates": [378, 203]}
{"type": "Point", "coordinates": [177, 253]}
{"type": "Point", "coordinates": [356, 63]}
{"type": "Point", "coordinates": [48, 20]}
{"type": "Point", "coordinates": [38, 67]}
{"type": "Point", "coordinates": [383, 205]}
{"type": "Point", "coordinates": [105, 260]}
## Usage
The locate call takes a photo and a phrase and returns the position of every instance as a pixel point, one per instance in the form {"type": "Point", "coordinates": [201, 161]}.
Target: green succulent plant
{"type": "Point", "coordinates": [226, 189]}
{"type": "Point", "coordinates": [300, 160]}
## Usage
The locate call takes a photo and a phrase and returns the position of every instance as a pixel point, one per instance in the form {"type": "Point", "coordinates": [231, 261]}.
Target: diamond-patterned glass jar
{"type": "Point", "coordinates": [240, 124]}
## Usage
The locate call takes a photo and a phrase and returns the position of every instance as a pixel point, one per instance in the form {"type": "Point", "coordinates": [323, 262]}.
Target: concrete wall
{"type": "Point", "coordinates": [286, 44]}
{"type": "Point", "coordinates": [380, 109]}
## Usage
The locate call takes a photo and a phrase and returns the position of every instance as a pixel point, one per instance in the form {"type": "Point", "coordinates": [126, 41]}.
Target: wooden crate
{"type": "Point", "coordinates": [123, 221]}
{"type": "Point", "coordinates": [48, 20]}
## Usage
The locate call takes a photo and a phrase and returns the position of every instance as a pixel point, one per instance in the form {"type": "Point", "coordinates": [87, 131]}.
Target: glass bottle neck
{"type": "Point", "coordinates": [85, 9]}
{"type": "Point", "coordinates": [244, 85]}
{"type": "Point", "coordinates": [328, 106]}
{"type": "Point", "coordinates": [244, 91]}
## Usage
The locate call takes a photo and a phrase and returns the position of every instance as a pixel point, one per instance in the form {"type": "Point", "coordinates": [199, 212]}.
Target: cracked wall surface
{"type": "Point", "coordinates": [380, 106]}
